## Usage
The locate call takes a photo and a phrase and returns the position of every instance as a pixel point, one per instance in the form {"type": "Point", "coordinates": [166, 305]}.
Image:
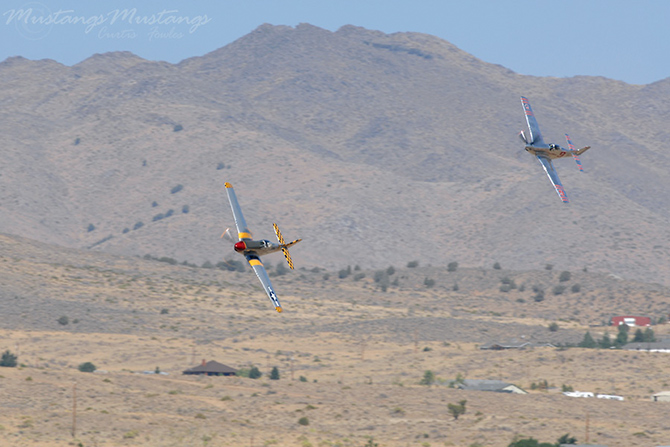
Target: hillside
{"type": "Point", "coordinates": [376, 149]}
{"type": "Point", "coordinates": [360, 351]}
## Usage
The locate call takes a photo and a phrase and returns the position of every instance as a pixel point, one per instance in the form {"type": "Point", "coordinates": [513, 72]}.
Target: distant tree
{"type": "Point", "coordinates": [428, 378]}
{"type": "Point", "coordinates": [530, 442]}
{"type": "Point", "coordinates": [274, 374]}
{"type": "Point", "coordinates": [90, 227]}
{"type": "Point", "coordinates": [566, 439]}
{"type": "Point", "coordinates": [8, 359]}
{"type": "Point", "coordinates": [539, 295]}
{"type": "Point", "coordinates": [505, 288]}
{"type": "Point", "coordinates": [587, 341]}
{"type": "Point", "coordinates": [622, 336]}
{"type": "Point", "coordinates": [452, 266]}
{"type": "Point", "coordinates": [87, 367]}
{"type": "Point", "coordinates": [302, 379]}
{"type": "Point", "coordinates": [428, 282]}
{"type": "Point", "coordinates": [566, 388]}
{"type": "Point", "coordinates": [564, 276]}
{"type": "Point", "coordinates": [553, 327]}
{"type": "Point", "coordinates": [575, 288]}
{"type": "Point", "coordinates": [254, 373]}
{"type": "Point", "coordinates": [326, 276]}
{"type": "Point", "coordinates": [605, 342]}
{"type": "Point", "coordinates": [412, 264]}
{"type": "Point", "coordinates": [639, 336]}
{"type": "Point", "coordinates": [457, 410]}
{"type": "Point", "coordinates": [496, 266]}
{"type": "Point", "coordinates": [390, 271]}
{"type": "Point", "coordinates": [359, 276]}
{"type": "Point", "coordinates": [343, 273]}
{"type": "Point", "coordinates": [176, 189]}
{"type": "Point", "coordinates": [648, 335]}
{"type": "Point", "coordinates": [63, 320]}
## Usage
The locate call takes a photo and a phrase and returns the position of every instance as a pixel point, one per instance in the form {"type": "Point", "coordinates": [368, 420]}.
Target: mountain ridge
{"type": "Point", "coordinates": [376, 149]}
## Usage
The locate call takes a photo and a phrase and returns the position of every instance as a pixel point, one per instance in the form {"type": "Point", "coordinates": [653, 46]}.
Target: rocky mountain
{"type": "Point", "coordinates": [377, 149]}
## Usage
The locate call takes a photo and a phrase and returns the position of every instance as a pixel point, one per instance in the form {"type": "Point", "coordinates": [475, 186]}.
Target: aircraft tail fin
{"type": "Point", "coordinates": [284, 245]}
{"type": "Point", "coordinates": [575, 153]}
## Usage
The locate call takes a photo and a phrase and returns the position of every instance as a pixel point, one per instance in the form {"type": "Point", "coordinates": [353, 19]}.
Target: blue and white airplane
{"type": "Point", "coordinates": [544, 152]}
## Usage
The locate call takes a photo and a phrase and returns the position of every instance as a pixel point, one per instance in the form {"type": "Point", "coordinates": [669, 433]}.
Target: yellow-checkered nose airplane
{"type": "Point", "coordinates": [253, 250]}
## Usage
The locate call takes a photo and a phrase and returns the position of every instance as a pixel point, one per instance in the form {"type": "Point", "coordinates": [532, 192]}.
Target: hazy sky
{"type": "Point", "coordinates": [627, 40]}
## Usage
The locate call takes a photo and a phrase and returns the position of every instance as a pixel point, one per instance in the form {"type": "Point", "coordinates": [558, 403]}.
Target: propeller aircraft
{"type": "Point", "coordinates": [253, 250]}
{"type": "Point", "coordinates": [545, 153]}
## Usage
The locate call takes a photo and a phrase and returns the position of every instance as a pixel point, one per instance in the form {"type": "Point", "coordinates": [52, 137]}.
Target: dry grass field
{"type": "Point", "coordinates": [350, 356]}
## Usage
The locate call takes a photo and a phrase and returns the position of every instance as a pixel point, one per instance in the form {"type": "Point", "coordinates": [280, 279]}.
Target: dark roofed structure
{"type": "Point", "coordinates": [497, 386]}
{"type": "Point", "coordinates": [212, 368]}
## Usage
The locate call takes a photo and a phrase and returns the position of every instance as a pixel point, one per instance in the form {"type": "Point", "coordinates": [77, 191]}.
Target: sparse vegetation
{"type": "Point", "coordinates": [64, 320]}
{"type": "Point", "coordinates": [176, 189]}
{"type": "Point", "coordinates": [452, 266]}
{"type": "Point", "coordinates": [87, 367]}
{"type": "Point", "coordinates": [496, 266]}
{"type": "Point", "coordinates": [8, 359]}
{"type": "Point", "coordinates": [428, 378]}
{"type": "Point", "coordinates": [303, 421]}
{"type": "Point", "coordinates": [457, 410]}
{"type": "Point", "coordinates": [412, 264]}
{"type": "Point", "coordinates": [177, 128]}
{"type": "Point", "coordinates": [564, 276]}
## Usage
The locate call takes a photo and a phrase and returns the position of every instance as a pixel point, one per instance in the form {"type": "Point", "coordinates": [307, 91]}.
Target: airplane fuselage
{"type": "Point", "coordinates": [551, 151]}
{"type": "Point", "coordinates": [259, 248]}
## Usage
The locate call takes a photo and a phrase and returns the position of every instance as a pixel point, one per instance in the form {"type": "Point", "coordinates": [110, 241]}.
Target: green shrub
{"type": "Point", "coordinates": [412, 264]}
{"type": "Point", "coordinates": [452, 266]}
{"type": "Point", "coordinates": [303, 421]}
{"type": "Point", "coordinates": [8, 359]}
{"type": "Point", "coordinates": [274, 374]}
{"type": "Point", "coordinates": [63, 320]}
{"type": "Point", "coordinates": [177, 128]}
{"type": "Point", "coordinates": [564, 276]}
{"type": "Point", "coordinates": [87, 367]}
{"type": "Point", "coordinates": [496, 266]}
{"type": "Point", "coordinates": [176, 189]}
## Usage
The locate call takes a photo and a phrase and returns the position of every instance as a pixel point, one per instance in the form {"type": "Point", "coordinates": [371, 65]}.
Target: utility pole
{"type": "Point", "coordinates": [586, 438]}
{"type": "Point", "coordinates": [74, 409]}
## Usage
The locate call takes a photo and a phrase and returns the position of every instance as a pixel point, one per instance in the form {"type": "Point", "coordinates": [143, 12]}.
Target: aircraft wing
{"type": "Point", "coordinates": [553, 176]}
{"type": "Point", "coordinates": [535, 135]}
{"type": "Point", "coordinates": [242, 229]}
{"type": "Point", "coordinates": [257, 265]}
